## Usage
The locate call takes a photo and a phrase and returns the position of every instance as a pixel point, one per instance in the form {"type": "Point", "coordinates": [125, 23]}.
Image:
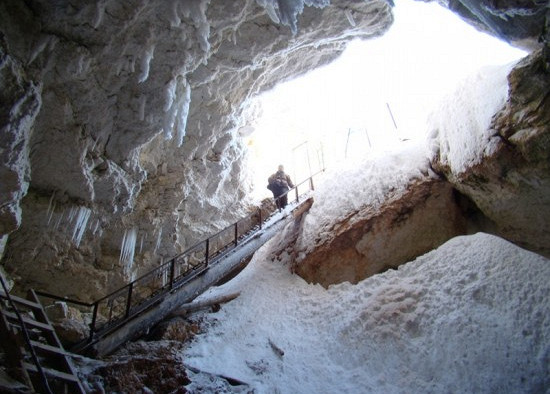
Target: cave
{"type": "Point", "coordinates": [124, 126]}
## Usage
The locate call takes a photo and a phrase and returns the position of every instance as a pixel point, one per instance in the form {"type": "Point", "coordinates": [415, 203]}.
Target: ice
{"type": "Point", "coordinates": [349, 15]}
{"type": "Point", "coordinates": [178, 98]}
{"type": "Point", "coordinates": [146, 58]}
{"type": "Point", "coordinates": [51, 209]}
{"type": "Point", "coordinates": [127, 250]}
{"type": "Point", "coordinates": [459, 130]}
{"type": "Point", "coordinates": [159, 240]}
{"type": "Point", "coordinates": [287, 11]}
{"type": "Point", "coordinates": [196, 10]}
{"type": "Point", "coordinates": [142, 104]}
{"type": "Point", "coordinates": [80, 224]}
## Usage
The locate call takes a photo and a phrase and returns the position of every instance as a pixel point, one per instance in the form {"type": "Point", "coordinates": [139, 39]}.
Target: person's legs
{"type": "Point", "coordinates": [284, 200]}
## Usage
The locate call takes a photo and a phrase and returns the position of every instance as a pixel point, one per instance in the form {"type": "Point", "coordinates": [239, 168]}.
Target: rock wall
{"type": "Point", "coordinates": [133, 142]}
{"type": "Point", "coordinates": [511, 185]}
{"type": "Point", "coordinates": [21, 100]}
{"type": "Point", "coordinates": [370, 241]}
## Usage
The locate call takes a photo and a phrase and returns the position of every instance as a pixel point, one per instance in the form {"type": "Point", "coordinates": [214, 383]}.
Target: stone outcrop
{"type": "Point", "coordinates": [370, 241]}
{"type": "Point", "coordinates": [511, 185]}
{"type": "Point", "coordinates": [517, 22]}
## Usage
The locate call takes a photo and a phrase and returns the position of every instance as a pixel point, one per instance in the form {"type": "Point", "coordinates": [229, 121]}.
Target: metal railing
{"type": "Point", "coordinates": [114, 309]}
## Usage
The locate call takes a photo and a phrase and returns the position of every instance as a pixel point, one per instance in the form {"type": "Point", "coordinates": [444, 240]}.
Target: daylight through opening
{"type": "Point", "coordinates": [374, 98]}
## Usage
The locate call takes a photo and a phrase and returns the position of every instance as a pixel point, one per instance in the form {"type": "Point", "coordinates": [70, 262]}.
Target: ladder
{"type": "Point", "coordinates": [33, 351]}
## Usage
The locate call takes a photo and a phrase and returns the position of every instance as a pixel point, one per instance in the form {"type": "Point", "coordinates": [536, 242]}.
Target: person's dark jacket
{"type": "Point", "coordinates": [279, 183]}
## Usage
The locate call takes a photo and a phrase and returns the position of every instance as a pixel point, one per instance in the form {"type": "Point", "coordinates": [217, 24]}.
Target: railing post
{"type": "Point", "coordinates": [94, 320]}
{"type": "Point", "coordinates": [311, 183]}
{"type": "Point", "coordinates": [260, 216]}
{"type": "Point", "coordinates": [236, 233]}
{"type": "Point", "coordinates": [129, 299]}
{"type": "Point", "coordinates": [297, 198]}
{"type": "Point", "coordinates": [172, 272]}
{"type": "Point", "coordinates": [206, 252]}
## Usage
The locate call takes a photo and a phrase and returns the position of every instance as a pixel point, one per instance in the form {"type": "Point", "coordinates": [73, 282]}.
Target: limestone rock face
{"type": "Point", "coordinates": [517, 22]}
{"type": "Point", "coordinates": [511, 185]}
{"type": "Point", "coordinates": [20, 101]}
{"type": "Point", "coordinates": [136, 149]}
{"type": "Point", "coordinates": [370, 241]}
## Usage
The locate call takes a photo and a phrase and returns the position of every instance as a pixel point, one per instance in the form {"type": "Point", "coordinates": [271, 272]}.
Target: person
{"type": "Point", "coordinates": [280, 183]}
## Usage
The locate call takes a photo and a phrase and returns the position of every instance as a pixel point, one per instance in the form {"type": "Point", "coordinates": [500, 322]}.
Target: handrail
{"type": "Point", "coordinates": [167, 271]}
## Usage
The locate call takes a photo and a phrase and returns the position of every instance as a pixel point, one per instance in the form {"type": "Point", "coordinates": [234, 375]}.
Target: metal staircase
{"type": "Point", "coordinates": [133, 309]}
{"type": "Point", "coordinates": [33, 352]}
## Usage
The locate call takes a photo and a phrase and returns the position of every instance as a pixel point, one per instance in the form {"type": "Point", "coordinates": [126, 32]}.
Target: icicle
{"type": "Point", "coordinates": [349, 15]}
{"type": "Point", "coordinates": [96, 227]}
{"type": "Point", "coordinates": [145, 63]}
{"type": "Point", "coordinates": [141, 243]}
{"type": "Point", "coordinates": [72, 213]}
{"type": "Point", "coordinates": [127, 250]}
{"type": "Point", "coordinates": [142, 102]}
{"type": "Point", "coordinates": [197, 12]}
{"type": "Point", "coordinates": [178, 96]}
{"type": "Point", "coordinates": [59, 220]}
{"type": "Point", "coordinates": [175, 19]}
{"type": "Point", "coordinates": [157, 246]}
{"type": "Point", "coordinates": [80, 225]}
{"type": "Point", "coordinates": [99, 13]}
{"type": "Point", "coordinates": [183, 112]}
{"type": "Point", "coordinates": [51, 208]}
{"type": "Point", "coordinates": [272, 13]}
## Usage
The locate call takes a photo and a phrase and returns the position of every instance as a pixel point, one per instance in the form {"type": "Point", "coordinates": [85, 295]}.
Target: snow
{"type": "Point", "coordinates": [459, 129]}
{"type": "Point", "coordinates": [471, 316]}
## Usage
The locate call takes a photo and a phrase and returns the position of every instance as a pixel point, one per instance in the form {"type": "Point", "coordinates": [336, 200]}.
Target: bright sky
{"type": "Point", "coordinates": [343, 107]}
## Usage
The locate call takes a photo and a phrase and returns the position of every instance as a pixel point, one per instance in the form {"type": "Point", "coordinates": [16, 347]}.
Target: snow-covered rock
{"type": "Point", "coordinates": [376, 215]}
{"type": "Point", "coordinates": [490, 140]}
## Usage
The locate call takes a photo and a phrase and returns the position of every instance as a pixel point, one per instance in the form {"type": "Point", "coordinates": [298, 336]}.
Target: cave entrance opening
{"type": "Point", "coordinates": [374, 98]}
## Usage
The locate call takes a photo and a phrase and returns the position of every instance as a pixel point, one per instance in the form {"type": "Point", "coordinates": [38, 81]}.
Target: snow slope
{"type": "Point", "coordinates": [471, 316]}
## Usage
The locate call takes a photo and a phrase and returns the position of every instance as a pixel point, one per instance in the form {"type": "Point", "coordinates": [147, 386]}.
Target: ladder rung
{"type": "Point", "coordinates": [22, 301]}
{"type": "Point", "coordinates": [26, 320]}
{"type": "Point", "coordinates": [49, 348]}
{"type": "Point", "coordinates": [51, 372]}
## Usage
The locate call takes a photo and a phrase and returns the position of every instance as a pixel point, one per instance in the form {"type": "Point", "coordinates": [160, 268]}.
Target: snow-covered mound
{"type": "Point", "coordinates": [356, 185]}
{"type": "Point", "coordinates": [460, 130]}
{"type": "Point", "coordinates": [471, 316]}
